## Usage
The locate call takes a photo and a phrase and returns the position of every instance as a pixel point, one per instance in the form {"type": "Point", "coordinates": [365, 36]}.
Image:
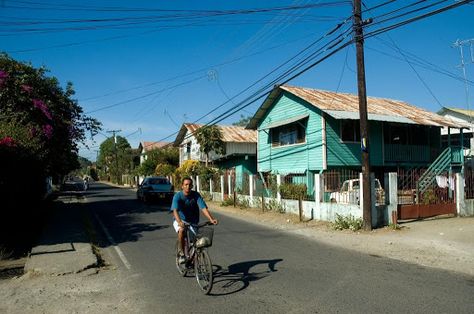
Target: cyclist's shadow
{"type": "Point", "coordinates": [238, 276]}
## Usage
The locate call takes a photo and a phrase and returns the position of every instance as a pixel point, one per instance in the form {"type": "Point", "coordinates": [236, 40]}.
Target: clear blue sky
{"type": "Point", "coordinates": [135, 66]}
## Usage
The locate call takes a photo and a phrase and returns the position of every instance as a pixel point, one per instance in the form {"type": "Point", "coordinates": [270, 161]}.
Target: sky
{"type": "Point", "coordinates": [143, 68]}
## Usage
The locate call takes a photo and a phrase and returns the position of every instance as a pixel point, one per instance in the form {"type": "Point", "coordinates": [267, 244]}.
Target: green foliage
{"type": "Point", "coordinates": [160, 161]}
{"type": "Point", "coordinates": [193, 168]}
{"type": "Point", "coordinates": [394, 226]}
{"type": "Point", "coordinates": [429, 197]}
{"type": "Point", "coordinates": [209, 138]}
{"type": "Point", "coordinates": [276, 206]}
{"type": "Point", "coordinates": [164, 169]}
{"type": "Point", "coordinates": [228, 201]}
{"type": "Point", "coordinates": [206, 196]}
{"type": "Point", "coordinates": [347, 222]}
{"type": "Point", "coordinates": [115, 159]}
{"type": "Point", "coordinates": [243, 202]}
{"type": "Point", "coordinates": [41, 127]}
{"type": "Point", "coordinates": [243, 120]}
{"type": "Point", "coordinates": [293, 191]}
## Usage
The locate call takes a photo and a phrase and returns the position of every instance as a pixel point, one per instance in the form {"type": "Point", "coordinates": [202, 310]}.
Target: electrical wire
{"type": "Point", "coordinates": [342, 45]}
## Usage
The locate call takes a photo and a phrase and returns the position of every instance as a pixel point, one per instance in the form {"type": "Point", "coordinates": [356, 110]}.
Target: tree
{"type": "Point", "coordinates": [167, 158]}
{"type": "Point", "coordinates": [209, 138]}
{"type": "Point", "coordinates": [115, 158]}
{"type": "Point", "coordinates": [41, 127]}
{"type": "Point", "coordinates": [243, 121]}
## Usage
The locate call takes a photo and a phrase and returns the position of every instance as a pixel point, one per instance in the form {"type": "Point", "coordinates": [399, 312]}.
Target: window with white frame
{"type": "Point", "coordinates": [289, 134]}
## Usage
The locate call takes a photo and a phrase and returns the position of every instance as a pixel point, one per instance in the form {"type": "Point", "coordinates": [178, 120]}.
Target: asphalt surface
{"type": "Point", "coordinates": [257, 268]}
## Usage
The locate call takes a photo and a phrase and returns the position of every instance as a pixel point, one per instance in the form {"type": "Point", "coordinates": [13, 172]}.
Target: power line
{"type": "Point", "coordinates": [256, 97]}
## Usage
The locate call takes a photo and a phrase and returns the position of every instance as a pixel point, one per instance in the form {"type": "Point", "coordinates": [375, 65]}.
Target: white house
{"type": "Point", "coordinates": [459, 115]}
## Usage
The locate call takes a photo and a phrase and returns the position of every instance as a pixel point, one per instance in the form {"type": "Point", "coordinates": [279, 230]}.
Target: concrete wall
{"type": "Point", "coordinates": [382, 214]}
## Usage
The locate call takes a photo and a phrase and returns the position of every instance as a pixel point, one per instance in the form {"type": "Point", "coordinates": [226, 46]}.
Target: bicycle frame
{"type": "Point", "coordinates": [197, 258]}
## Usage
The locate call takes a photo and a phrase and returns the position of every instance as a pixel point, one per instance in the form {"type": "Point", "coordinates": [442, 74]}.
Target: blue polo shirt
{"type": "Point", "coordinates": [188, 206]}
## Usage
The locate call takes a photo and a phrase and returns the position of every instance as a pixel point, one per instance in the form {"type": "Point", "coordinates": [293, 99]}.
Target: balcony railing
{"type": "Point", "coordinates": [407, 153]}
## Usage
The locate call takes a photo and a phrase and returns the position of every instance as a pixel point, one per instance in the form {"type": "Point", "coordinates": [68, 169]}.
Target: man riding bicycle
{"type": "Point", "coordinates": [186, 206]}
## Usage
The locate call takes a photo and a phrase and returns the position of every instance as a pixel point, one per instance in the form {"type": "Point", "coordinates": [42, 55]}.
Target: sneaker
{"type": "Point", "coordinates": [181, 258]}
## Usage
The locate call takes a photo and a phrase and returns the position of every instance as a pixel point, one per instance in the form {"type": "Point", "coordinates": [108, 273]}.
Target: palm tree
{"type": "Point", "coordinates": [209, 138]}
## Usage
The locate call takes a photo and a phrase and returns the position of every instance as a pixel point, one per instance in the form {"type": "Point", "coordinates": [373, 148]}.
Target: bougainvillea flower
{"type": "Point", "coordinates": [33, 132]}
{"type": "Point", "coordinates": [48, 131]}
{"type": "Point", "coordinates": [8, 141]}
{"type": "Point", "coordinates": [42, 106]}
{"type": "Point", "coordinates": [26, 88]}
{"type": "Point", "coordinates": [3, 77]}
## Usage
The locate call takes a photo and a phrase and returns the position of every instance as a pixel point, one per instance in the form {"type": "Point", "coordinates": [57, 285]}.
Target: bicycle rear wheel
{"type": "Point", "coordinates": [203, 270]}
{"type": "Point", "coordinates": [182, 269]}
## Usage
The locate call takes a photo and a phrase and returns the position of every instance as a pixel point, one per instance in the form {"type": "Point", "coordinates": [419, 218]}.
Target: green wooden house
{"type": "Point", "coordinates": [304, 131]}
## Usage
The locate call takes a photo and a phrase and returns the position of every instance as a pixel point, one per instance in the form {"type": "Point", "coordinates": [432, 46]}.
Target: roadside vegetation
{"type": "Point", "coordinates": [41, 126]}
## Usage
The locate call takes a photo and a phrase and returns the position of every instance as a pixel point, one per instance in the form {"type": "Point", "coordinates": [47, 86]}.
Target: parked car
{"type": "Point", "coordinates": [72, 183]}
{"type": "Point", "coordinates": [155, 188]}
{"type": "Point", "coordinates": [350, 192]}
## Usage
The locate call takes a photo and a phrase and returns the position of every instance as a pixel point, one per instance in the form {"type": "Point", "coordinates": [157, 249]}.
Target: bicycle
{"type": "Point", "coordinates": [196, 255]}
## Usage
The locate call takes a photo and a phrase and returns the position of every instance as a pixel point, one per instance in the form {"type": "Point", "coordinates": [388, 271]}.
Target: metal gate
{"type": "Point", "coordinates": [438, 199]}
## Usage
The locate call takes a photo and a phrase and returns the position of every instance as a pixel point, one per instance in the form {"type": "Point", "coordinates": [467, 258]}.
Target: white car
{"type": "Point", "coordinates": [350, 192]}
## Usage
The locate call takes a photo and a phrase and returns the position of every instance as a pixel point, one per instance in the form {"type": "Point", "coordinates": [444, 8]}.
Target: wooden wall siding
{"type": "Point", "coordinates": [247, 165]}
{"type": "Point", "coordinates": [349, 154]}
{"type": "Point", "coordinates": [195, 153]}
{"type": "Point", "coordinates": [298, 157]}
{"type": "Point", "coordinates": [237, 148]}
{"type": "Point", "coordinates": [338, 153]}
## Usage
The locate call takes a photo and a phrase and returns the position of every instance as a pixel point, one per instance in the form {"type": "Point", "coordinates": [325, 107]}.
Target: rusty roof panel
{"type": "Point", "coordinates": [326, 100]}
{"type": "Point", "coordinates": [147, 146]}
{"type": "Point", "coordinates": [230, 133]}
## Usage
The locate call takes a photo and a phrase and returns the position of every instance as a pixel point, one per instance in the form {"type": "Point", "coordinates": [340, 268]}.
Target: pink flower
{"type": "Point", "coordinates": [42, 106]}
{"type": "Point", "coordinates": [26, 88]}
{"type": "Point", "coordinates": [8, 141]}
{"type": "Point", "coordinates": [48, 131]}
{"type": "Point", "coordinates": [33, 132]}
{"type": "Point", "coordinates": [3, 77]}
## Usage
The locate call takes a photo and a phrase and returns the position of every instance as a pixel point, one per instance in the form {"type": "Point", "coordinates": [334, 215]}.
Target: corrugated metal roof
{"type": "Point", "coordinates": [325, 100]}
{"type": "Point", "coordinates": [340, 102]}
{"type": "Point", "coordinates": [462, 111]}
{"type": "Point", "coordinates": [147, 146]}
{"type": "Point", "coordinates": [230, 133]}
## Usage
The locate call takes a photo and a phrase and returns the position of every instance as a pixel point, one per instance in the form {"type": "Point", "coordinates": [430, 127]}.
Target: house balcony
{"type": "Point", "coordinates": [396, 153]}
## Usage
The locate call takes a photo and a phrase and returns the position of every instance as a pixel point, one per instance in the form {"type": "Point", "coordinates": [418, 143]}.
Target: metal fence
{"type": "Point", "coordinates": [469, 183]}
{"type": "Point", "coordinates": [441, 191]}
{"type": "Point", "coordinates": [341, 186]}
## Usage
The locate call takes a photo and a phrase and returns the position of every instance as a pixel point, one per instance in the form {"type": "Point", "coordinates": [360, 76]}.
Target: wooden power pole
{"type": "Point", "coordinates": [364, 126]}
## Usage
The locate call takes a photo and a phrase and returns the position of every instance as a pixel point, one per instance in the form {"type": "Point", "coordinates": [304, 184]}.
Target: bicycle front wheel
{"type": "Point", "coordinates": [203, 270]}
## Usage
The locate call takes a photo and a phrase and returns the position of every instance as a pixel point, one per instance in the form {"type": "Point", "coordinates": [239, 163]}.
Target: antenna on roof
{"type": "Point", "coordinates": [461, 44]}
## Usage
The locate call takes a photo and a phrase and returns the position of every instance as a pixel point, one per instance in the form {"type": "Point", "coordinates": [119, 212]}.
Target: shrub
{"type": "Point", "coordinates": [293, 191]}
{"type": "Point", "coordinates": [347, 222]}
{"type": "Point", "coordinates": [206, 195]}
{"type": "Point", "coordinates": [228, 201]}
{"type": "Point", "coordinates": [274, 205]}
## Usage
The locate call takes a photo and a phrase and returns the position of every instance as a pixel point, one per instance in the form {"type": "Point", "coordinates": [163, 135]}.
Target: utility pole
{"type": "Point", "coordinates": [460, 44]}
{"type": "Point", "coordinates": [116, 155]}
{"type": "Point", "coordinates": [364, 126]}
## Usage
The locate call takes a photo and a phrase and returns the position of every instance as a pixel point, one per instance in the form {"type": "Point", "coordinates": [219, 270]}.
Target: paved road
{"type": "Point", "coordinates": [260, 270]}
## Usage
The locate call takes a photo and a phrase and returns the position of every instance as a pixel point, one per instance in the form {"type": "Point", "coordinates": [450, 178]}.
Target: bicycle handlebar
{"type": "Point", "coordinates": [202, 224]}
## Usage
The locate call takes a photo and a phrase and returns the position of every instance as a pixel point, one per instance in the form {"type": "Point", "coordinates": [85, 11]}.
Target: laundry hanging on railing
{"type": "Point", "coordinates": [444, 182]}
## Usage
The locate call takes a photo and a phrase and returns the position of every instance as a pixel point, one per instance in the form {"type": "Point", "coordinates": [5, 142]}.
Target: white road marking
{"type": "Point", "coordinates": [111, 240]}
